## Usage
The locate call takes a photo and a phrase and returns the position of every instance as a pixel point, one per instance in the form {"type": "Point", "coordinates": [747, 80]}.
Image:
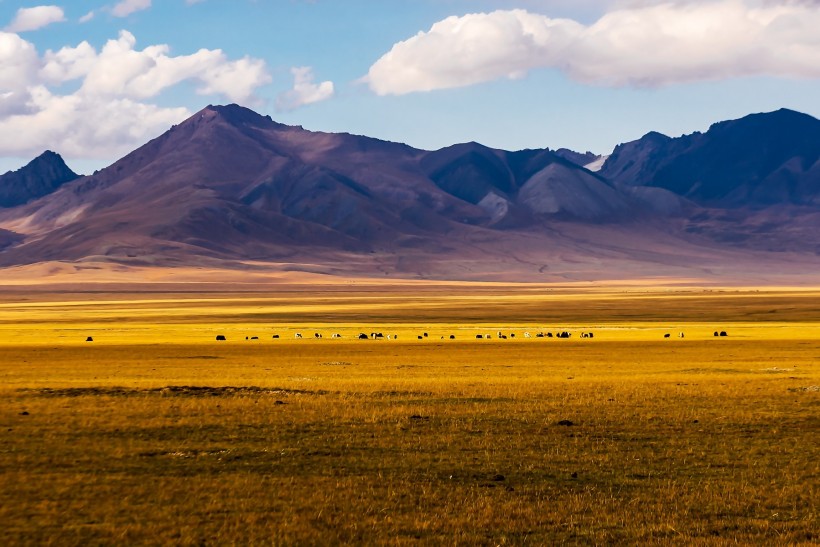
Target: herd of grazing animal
{"type": "Point", "coordinates": [500, 335]}
{"type": "Point", "coordinates": [380, 336]}
{"type": "Point", "coordinates": [722, 333]}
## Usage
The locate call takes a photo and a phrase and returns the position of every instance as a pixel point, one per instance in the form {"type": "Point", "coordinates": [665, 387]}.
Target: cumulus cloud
{"type": "Point", "coordinates": [81, 128]}
{"type": "Point", "coordinates": [304, 91]}
{"type": "Point", "coordinates": [36, 18]}
{"type": "Point", "coordinates": [127, 7]}
{"type": "Point", "coordinates": [109, 110]}
{"type": "Point", "coordinates": [18, 71]}
{"type": "Point", "coordinates": [119, 69]}
{"type": "Point", "coordinates": [643, 45]}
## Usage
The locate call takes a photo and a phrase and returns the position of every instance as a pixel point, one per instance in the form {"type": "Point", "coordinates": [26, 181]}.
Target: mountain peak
{"type": "Point", "coordinates": [784, 119]}
{"type": "Point", "coordinates": [50, 156]}
{"type": "Point", "coordinates": [787, 113]}
{"type": "Point", "coordinates": [239, 115]}
{"type": "Point", "coordinates": [654, 136]}
{"type": "Point", "coordinates": [39, 177]}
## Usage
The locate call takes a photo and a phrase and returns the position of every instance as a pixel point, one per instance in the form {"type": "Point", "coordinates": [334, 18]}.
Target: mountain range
{"type": "Point", "coordinates": [229, 188]}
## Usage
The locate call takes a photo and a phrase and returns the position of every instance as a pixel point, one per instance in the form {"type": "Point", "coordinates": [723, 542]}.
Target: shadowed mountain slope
{"type": "Point", "coordinates": [40, 177]}
{"type": "Point", "coordinates": [759, 160]}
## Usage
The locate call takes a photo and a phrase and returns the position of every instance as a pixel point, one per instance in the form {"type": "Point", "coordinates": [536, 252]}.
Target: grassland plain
{"type": "Point", "coordinates": [156, 433]}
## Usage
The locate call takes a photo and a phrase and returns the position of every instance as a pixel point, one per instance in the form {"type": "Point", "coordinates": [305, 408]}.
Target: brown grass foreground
{"type": "Point", "coordinates": [156, 433]}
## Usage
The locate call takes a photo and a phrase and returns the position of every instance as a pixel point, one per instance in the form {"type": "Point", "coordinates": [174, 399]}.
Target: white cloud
{"type": "Point", "coordinates": [87, 17]}
{"type": "Point", "coordinates": [80, 127]}
{"type": "Point", "coordinates": [644, 45]}
{"type": "Point", "coordinates": [304, 91]}
{"type": "Point", "coordinates": [36, 18]}
{"type": "Point", "coordinates": [109, 111]}
{"type": "Point", "coordinates": [18, 71]}
{"type": "Point", "coordinates": [234, 79]}
{"type": "Point", "coordinates": [69, 63]}
{"type": "Point", "coordinates": [120, 70]}
{"type": "Point", "coordinates": [127, 7]}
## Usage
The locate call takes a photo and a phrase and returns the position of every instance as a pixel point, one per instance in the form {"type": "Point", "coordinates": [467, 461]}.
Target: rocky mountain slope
{"type": "Point", "coordinates": [229, 187]}
{"type": "Point", "coordinates": [42, 176]}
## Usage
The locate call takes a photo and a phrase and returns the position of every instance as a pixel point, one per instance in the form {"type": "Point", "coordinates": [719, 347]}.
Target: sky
{"type": "Point", "coordinates": [95, 79]}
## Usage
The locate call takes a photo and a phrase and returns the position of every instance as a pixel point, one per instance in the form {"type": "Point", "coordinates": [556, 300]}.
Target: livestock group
{"type": "Point", "coordinates": [499, 335]}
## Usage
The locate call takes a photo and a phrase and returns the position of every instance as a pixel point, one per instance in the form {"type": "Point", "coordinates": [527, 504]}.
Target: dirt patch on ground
{"type": "Point", "coordinates": [195, 357]}
{"type": "Point", "coordinates": [807, 389]}
{"type": "Point", "coordinates": [398, 393]}
{"type": "Point", "coordinates": [170, 391]}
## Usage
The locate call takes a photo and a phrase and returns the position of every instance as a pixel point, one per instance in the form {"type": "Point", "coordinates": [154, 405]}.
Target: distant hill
{"type": "Point", "coordinates": [40, 177]}
{"type": "Point", "coordinates": [759, 160]}
{"type": "Point", "coordinates": [516, 187]}
{"type": "Point", "coordinates": [231, 188]}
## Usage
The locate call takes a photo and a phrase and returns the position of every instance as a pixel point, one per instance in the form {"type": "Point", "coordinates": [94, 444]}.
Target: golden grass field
{"type": "Point", "coordinates": [156, 433]}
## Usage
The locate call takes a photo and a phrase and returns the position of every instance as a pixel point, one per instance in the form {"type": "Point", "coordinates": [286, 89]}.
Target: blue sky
{"type": "Point", "coordinates": [93, 80]}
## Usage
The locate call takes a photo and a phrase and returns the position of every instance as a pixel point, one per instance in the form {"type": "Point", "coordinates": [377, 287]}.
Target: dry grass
{"type": "Point", "coordinates": [287, 441]}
